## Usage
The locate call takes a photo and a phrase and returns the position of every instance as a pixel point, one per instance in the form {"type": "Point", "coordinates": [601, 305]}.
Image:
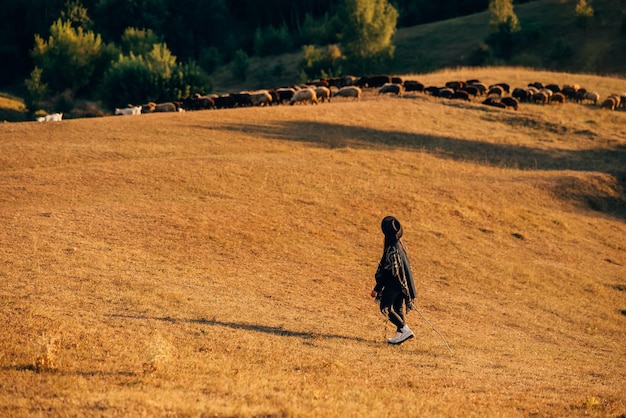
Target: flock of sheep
{"type": "Point", "coordinates": [318, 91]}
{"type": "Point", "coordinates": [499, 95]}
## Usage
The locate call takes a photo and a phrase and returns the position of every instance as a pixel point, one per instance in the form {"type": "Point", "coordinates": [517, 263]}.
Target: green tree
{"type": "Point", "coordinates": [139, 41]}
{"type": "Point", "coordinates": [502, 13]}
{"type": "Point", "coordinates": [368, 26]}
{"type": "Point", "coordinates": [321, 62]}
{"type": "Point", "coordinates": [503, 24]}
{"type": "Point", "coordinates": [69, 58]}
{"type": "Point", "coordinates": [584, 13]}
{"type": "Point", "coordinates": [128, 81]}
{"type": "Point", "coordinates": [36, 90]}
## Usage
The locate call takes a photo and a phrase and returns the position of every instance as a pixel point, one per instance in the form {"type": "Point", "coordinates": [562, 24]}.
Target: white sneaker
{"type": "Point", "coordinates": [401, 336]}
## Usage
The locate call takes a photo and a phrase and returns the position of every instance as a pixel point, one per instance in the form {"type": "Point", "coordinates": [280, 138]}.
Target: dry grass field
{"type": "Point", "coordinates": [219, 263]}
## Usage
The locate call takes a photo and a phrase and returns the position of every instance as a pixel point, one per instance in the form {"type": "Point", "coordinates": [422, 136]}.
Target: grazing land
{"type": "Point", "coordinates": [219, 263]}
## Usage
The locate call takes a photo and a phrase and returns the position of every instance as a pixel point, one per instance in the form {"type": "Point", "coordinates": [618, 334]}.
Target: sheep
{"type": "Point", "coordinates": [322, 93]}
{"type": "Point", "coordinates": [510, 102]}
{"type": "Point", "coordinates": [304, 96]}
{"type": "Point", "coordinates": [432, 90]}
{"type": "Point", "coordinates": [261, 98]}
{"type": "Point", "coordinates": [198, 102]}
{"type": "Point", "coordinates": [54, 117]}
{"type": "Point", "coordinates": [522, 95]}
{"type": "Point", "coordinates": [482, 87]}
{"type": "Point", "coordinates": [455, 85]}
{"type": "Point", "coordinates": [148, 107]}
{"type": "Point", "coordinates": [391, 88]}
{"type": "Point", "coordinates": [165, 107]}
{"type": "Point", "coordinates": [610, 103]}
{"type": "Point", "coordinates": [541, 97]}
{"type": "Point", "coordinates": [495, 103]}
{"type": "Point", "coordinates": [412, 85]}
{"type": "Point", "coordinates": [471, 90]}
{"type": "Point", "coordinates": [445, 92]}
{"type": "Point", "coordinates": [591, 96]}
{"type": "Point", "coordinates": [461, 95]}
{"type": "Point", "coordinates": [553, 88]}
{"type": "Point", "coordinates": [349, 91]}
{"type": "Point", "coordinates": [133, 110]}
{"type": "Point", "coordinates": [547, 91]}
{"type": "Point", "coordinates": [570, 92]}
{"type": "Point", "coordinates": [496, 90]}
{"type": "Point", "coordinates": [285, 94]}
{"type": "Point", "coordinates": [557, 97]}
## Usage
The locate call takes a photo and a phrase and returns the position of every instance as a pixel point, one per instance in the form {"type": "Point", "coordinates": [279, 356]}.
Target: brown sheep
{"type": "Point", "coordinates": [323, 93]}
{"type": "Point", "coordinates": [412, 85]}
{"type": "Point", "coordinates": [455, 85]}
{"type": "Point", "coordinates": [496, 91]}
{"type": "Point", "coordinates": [461, 95]}
{"type": "Point", "coordinates": [510, 102]}
{"type": "Point", "coordinates": [541, 97]}
{"type": "Point", "coordinates": [557, 98]}
{"type": "Point", "coordinates": [609, 103]}
{"type": "Point", "coordinates": [494, 103]}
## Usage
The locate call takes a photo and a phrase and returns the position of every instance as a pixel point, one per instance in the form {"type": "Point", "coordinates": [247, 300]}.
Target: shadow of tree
{"type": "Point", "coordinates": [609, 160]}
{"type": "Point", "coordinates": [266, 329]}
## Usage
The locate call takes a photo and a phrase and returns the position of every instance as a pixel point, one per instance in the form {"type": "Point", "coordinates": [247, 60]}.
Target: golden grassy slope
{"type": "Point", "coordinates": [220, 262]}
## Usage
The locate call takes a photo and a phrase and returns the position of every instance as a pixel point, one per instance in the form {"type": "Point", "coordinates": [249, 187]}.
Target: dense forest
{"type": "Point", "coordinates": [208, 31]}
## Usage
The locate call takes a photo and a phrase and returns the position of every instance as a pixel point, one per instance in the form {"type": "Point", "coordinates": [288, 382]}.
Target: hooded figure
{"type": "Point", "coordinates": [395, 289]}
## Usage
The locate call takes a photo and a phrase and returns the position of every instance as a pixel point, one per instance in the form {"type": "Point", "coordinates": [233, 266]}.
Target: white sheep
{"type": "Point", "coordinates": [304, 96]}
{"type": "Point", "coordinates": [349, 91]}
{"type": "Point", "coordinates": [133, 110]}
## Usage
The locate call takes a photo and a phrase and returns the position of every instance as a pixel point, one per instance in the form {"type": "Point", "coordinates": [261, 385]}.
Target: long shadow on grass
{"type": "Point", "coordinates": [266, 329]}
{"type": "Point", "coordinates": [603, 160]}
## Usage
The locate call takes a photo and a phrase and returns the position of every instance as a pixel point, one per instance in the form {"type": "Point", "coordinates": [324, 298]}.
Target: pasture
{"type": "Point", "coordinates": [219, 263]}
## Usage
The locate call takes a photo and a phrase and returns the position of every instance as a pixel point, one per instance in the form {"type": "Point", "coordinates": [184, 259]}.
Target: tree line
{"type": "Point", "coordinates": [121, 51]}
{"type": "Point", "coordinates": [208, 31]}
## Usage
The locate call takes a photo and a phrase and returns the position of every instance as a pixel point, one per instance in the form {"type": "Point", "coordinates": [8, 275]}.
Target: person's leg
{"type": "Point", "coordinates": [389, 308]}
{"type": "Point", "coordinates": [403, 331]}
{"type": "Point", "coordinates": [397, 310]}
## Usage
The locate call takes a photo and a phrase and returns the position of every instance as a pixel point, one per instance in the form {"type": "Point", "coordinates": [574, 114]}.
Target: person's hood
{"type": "Point", "coordinates": [392, 229]}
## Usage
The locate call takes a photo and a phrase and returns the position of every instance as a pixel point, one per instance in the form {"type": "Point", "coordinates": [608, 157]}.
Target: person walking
{"type": "Point", "coordinates": [395, 289]}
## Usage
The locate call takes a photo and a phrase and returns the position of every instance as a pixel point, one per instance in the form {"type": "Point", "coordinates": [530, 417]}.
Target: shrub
{"type": "Point", "coordinates": [188, 79]}
{"type": "Point", "coordinates": [129, 80]}
{"type": "Point", "coordinates": [240, 65]}
{"type": "Point", "coordinates": [36, 90]}
{"type": "Point", "coordinates": [321, 62]}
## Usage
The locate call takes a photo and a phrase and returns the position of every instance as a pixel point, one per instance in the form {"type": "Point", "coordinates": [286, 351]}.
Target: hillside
{"type": "Point", "coordinates": [549, 40]}
{"type": "Point", "coordinates": [219, 263]}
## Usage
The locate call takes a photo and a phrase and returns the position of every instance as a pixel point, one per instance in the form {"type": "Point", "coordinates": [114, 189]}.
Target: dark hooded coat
{"type": "Point", "coordinates": [394, 270]}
